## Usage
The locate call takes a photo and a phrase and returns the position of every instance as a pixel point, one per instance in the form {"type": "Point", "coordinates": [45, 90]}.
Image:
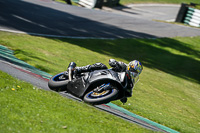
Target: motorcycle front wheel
{"type": "Point", "coordinates": [58, 82]}
{"type": "Point", "coordinates": [105, 96]}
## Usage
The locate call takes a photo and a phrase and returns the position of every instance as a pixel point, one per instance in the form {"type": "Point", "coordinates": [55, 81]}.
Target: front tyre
{"type": "Point", "coordinates": [58, 82]}
{"type": "Point", "coordinates": [105, 96]}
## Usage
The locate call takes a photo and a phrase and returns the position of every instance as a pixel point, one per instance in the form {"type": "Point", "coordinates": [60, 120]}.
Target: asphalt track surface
{"type": "Point", "coordinates": [46, 17]}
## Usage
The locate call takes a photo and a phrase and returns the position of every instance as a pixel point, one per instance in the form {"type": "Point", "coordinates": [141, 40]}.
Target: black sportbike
{"type": "Point", "coordinates": [96, 87]}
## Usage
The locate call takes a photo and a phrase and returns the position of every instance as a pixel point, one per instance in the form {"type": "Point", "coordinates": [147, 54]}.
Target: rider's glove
{"type": "Point", "coordinates": [113, 63]}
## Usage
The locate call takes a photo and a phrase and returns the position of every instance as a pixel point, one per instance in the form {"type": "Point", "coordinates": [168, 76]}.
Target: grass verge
{"type": "Point", "coordinates": [168, 92]}
{"type": "Point", "coordinates": [25, 108]}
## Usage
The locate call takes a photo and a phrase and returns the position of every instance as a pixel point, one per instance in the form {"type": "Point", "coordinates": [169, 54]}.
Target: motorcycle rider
{"type": "Point", "coordinates": [133, 69]}
{"type": "Point", "coordinates": [134, 66]}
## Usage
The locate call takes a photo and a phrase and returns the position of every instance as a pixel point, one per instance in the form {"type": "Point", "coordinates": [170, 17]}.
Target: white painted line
{"type": "Point", "coordinates": [53, 36]}
{"type": "Point", "coordinates": [26, 20]}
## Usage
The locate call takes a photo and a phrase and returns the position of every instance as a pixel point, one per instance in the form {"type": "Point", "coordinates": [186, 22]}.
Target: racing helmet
{"type": "Point", "coordinates": [135, 66]}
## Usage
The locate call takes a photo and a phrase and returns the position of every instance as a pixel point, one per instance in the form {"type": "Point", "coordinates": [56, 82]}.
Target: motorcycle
{"type": "Point", "coordinates": [96, 87]}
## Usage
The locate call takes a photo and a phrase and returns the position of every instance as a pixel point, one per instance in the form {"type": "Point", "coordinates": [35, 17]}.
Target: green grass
{"type": "Point", "coordinates": [25, 108]}
{"type": "Point", "coordinates": [168, 90]}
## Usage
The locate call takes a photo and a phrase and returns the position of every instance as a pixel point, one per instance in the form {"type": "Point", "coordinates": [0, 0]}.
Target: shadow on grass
{"type": "Point", "coordinates": [29, 55]}
{"type": "Point", "coordinates": [151, 53]}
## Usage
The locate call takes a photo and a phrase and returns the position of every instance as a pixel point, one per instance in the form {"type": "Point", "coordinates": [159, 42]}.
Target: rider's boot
{"type": "Point", "coordinates": [124, 100]}
{"type": "Point", "coordinates": [70, 69]}
{"type": "Point", "coordinates": [72, 65]}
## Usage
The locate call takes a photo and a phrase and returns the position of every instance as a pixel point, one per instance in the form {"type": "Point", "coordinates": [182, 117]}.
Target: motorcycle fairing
{"type": "Point", "coordinates": [76, 87]}
{"type": "Point", "coordinates": [103, 75]}
{"type": "Point", "coordinates": [99, 77]}
{"type": "Point", "coordinates": [79, 87]}
{"type": "Point", "coordinates": [120, 79]}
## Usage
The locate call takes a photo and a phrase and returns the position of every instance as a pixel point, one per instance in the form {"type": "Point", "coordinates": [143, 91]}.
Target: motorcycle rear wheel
{"type": "Point", "coordinates": [102, 97]}
{"type": "Point", "coordinates": [58, 82]}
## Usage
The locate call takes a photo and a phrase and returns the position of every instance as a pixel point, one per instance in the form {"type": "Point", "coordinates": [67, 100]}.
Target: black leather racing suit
{"type": "Point", "coordinates": [116, 66]}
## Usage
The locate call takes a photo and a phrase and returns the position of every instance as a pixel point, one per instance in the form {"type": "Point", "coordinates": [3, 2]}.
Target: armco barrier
{"type": "Point", "coordinates": [189, 15]}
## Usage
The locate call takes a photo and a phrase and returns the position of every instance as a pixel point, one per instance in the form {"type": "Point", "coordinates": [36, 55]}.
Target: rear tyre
{"type": "Point", "coordinates": [58, 82]}
{"type": "Point", "coordinates": [101, 97]}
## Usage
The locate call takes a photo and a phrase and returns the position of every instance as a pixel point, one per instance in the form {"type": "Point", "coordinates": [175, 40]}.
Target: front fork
{"type": "Point", "coordinates": [103, 87]}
